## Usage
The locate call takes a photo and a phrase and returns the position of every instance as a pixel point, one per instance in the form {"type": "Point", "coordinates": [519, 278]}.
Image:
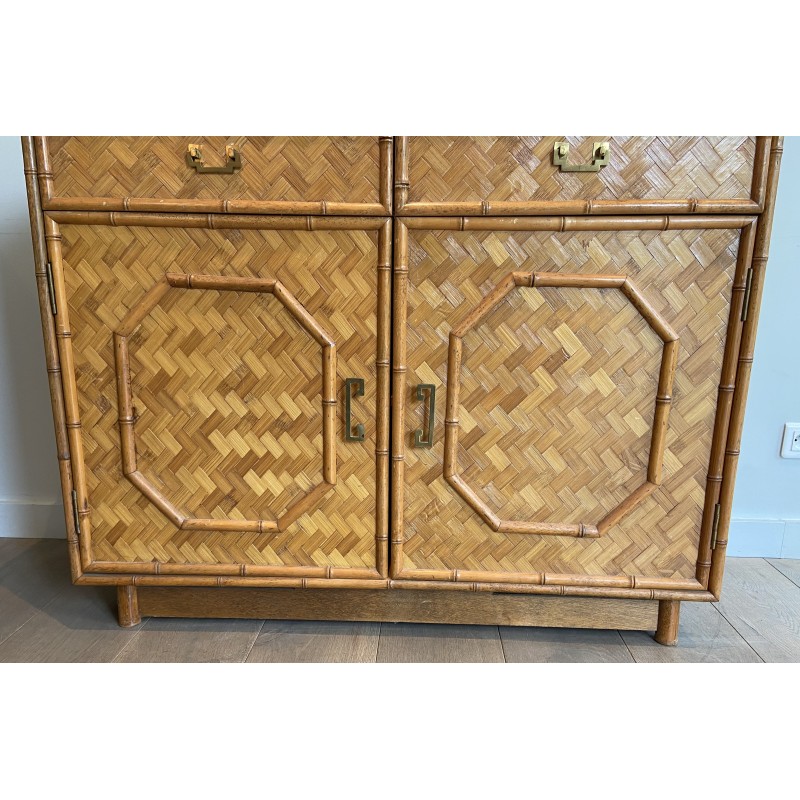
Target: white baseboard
{"type": "Point", "coordinates": [32, 519]}
{"type": "Point", "coordinates": [764, 538]}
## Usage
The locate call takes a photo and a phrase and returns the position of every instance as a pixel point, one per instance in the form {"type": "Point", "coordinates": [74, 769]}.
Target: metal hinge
{"type": "Point", "coordinates": [748, 287]}
{"type": "Point", "coordinates": [715, 526]}
{"type": "Point", "coordinates": [51, 289]}
{"type": "Point", "coordinates": [75, 517]}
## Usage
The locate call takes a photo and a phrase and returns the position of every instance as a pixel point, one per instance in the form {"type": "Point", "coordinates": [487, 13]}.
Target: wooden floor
{"type": "Point", "coordinates": [44, 618]}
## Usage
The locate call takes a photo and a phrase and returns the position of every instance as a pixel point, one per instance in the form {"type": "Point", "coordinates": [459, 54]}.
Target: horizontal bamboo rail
{"type": "Point", "coordinates": [227, 570]}
{"type": "Point", "coordinates": [573, 223]}
{"type": "Point", "coordinates": [598, 208]}
{"type": "Point", "coordinates": [385, 583]}
{"type": "Point", "coordinates": [223, 283]}
{"type": "Point", "coordinates": [216, 221]}
{"type": "Point", "coordinates": [227, 207]}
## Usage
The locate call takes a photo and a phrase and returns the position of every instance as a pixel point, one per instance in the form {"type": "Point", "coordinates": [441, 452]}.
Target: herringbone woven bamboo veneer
{"type": "Point", "coordinates": [296, 168]}
{"type": "Point", "coordinates": [226, 389]}
{"type": "Point", "coordinates": [519, 168]}
{"type": "Point", "coordinates": [557, 398]}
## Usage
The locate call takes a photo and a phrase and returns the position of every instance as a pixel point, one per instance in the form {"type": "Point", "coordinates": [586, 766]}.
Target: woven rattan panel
{"type": "Point", "coordinates": [296, 168]}
{"type": "Point", "coordinates": [557, 398]}
{"type": "Point", "coordinates": [226, 388]}
{"type": "Point", "coordinates": [519, 168]}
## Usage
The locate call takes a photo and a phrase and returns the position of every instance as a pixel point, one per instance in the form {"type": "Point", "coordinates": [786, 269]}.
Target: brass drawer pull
{"type": "Point", "coordinates": [233, 160]}
{"type": "Point", "coordinates": [600, 155]}
{"type": "Point", "coordinates": [428, 440]}
{"type": "Point", "coordinates": [353, 387]}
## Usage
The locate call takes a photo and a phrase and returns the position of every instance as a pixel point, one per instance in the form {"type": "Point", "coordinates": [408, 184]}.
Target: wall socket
{"type": "Point", "coordinates": [790, 446]}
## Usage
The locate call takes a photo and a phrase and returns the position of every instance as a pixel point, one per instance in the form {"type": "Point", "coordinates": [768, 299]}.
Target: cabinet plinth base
{"type": "Point", "coordinates": [394, 606]}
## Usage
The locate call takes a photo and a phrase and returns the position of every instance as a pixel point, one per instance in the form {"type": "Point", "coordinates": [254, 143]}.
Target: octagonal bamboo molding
{"type": "Point", "coordinates": [663, 400]}
{"type": "Point", "coordinates": [127, 420]}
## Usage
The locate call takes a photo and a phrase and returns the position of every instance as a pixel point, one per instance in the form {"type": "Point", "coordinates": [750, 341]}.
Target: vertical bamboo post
{"type": "Point", "coordinates": [329, 413]}
{"type": "Point", "coordinates": [386, 173]}
{"type": "Point", "coordinates": [401, 173]}
{"type": "Point", "coordinates": [452, 406]}
{"type": "Point", "coordinates": [63, 336]}
{"type": "Point", "coordinates": [398, 394]}
{"type": "Point", "coordinates": [727, 384]}
{"type": "Point", "coordinates": [760, 170]}
{"type": "Point", "coordinates": [382, 369]}
{"type": "Point", "coordinates": [51, 349]}
{"type": "Point", "coordinates": [760, 255]}
{"type": "Point", "coordinates": [128, 606]}
{"type": "Point", "coordinates": [45, 171]}
{"type": "Point", "coordinates": [669, 612]}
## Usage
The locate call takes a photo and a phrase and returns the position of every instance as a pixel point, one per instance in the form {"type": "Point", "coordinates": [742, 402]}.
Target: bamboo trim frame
{"type": "Point", "coordinates": [727, 430]}
{"type": "Point", "coordinates": [86, 570]}
{"type": "Point", "coordinates": [489, 208]}
{"type": "Point", "coordinates": [51, 202]}
{"type": "Point", "coordinates": [663, 401]}
{"type": "Point", "coordinates": [702, 587]}
{"type": "Point", "coordinates": [127, 420]}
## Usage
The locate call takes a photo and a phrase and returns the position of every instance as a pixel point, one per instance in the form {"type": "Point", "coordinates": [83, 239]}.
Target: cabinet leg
{"type": "Point", "coordinates": [128, 606]}
{"type": "Point", "coordinates": [669, 612]}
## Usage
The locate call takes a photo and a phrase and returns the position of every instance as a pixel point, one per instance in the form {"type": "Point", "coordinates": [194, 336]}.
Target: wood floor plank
{"type": "Point", "coordinates": [764, 607]}
{"type": "Point", "coordinates": [300, 641]}
{"type": "Point", "coordinates": [32, 573]}
{"type": "Point", "coordinates": [790, 567]}
{"type": "Point", "coordinates": [11, 548]}
{"type": "Point", "coordinates": [704, 636]}
{"type": "Point", "coordinates": [192, 640]}
{"type": "Point", "coordinates": [563, 645]}
{"type": "Point", "coordinates": [80, 624]}
{"type": "Point", "coordinates": [419, 643]}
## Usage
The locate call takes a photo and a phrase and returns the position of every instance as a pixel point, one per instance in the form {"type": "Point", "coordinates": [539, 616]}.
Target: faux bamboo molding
{"type": "Point", "coordinates": [51, 349]}
{"type": "Point", "coordinates": [745, 363]}
{"type": "Point", "coordinates": [215, 221]}
{"type": "Point", "coordinates": [663, 398]}
{"type": "Point", "coordinates": [127, 421]}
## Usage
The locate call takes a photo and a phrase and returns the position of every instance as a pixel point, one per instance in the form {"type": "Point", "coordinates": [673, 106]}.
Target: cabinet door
{"type": "Point", "coordinates": [209, 370]}
{"type": "Point", "coordinates": [572, 439]}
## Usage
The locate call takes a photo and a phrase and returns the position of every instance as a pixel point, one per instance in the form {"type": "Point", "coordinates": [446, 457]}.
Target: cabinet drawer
{"type": "Point", "coordinates": [273, 174]}
{"type": "Point", "coordinates": [204, 379]}
{"type": "Point", "coordinates": [576, 378]}
{"type": "Point", "coordinates": [516, 175]}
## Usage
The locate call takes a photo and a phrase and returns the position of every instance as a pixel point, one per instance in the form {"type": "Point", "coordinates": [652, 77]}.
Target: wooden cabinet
{"type": "Point", "coordinates": [561, 357]}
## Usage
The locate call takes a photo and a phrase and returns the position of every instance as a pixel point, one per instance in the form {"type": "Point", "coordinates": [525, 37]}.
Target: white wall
{"type": "Point", "coordinates": [767, 503]}
{"type": "Point", "coordinates": [30, 498]}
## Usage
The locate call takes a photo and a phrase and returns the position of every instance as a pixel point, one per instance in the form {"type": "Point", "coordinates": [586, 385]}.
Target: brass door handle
{"type": "Point", "coordinates": [233, 160]}
{"type": "Point", "coordinates": [428, 440]}
{"type": "Point", "coordinates": [600, 156]}
{"type": "Point", "coordinates": [353, 387]}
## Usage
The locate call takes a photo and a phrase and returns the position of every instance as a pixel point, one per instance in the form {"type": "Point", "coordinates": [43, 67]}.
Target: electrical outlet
{"type": "Point", "coordinates": [790, 446]}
